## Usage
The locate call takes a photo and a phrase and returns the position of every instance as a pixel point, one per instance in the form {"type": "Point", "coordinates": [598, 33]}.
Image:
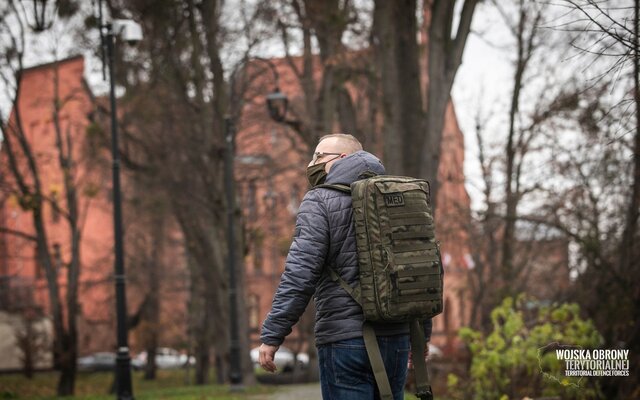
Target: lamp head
{"type": "Point", "coordinates": [128, 30]}
{"type": "Point", "coordinates": [277, 103]}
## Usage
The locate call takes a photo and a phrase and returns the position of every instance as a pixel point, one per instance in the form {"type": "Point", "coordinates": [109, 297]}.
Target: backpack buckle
{"type": "Point", "coordinates": [425, 394]}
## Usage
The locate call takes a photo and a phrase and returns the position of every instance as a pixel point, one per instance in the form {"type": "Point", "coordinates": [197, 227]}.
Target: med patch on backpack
{"type": "Point", "coordinates": [400, 268]}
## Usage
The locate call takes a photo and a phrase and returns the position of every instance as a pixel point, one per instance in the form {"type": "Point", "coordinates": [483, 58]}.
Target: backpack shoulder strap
{"type": "Point", "coordinates": [353, 292]}
{"type": "Point", "coordinates": [423, 388]}
{"type": "Point", "coordinates": [375, 359]}
{"type": "Point", "coordinates": [418, 342]}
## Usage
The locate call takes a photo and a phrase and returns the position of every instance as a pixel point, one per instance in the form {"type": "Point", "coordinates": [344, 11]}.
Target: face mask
{"type": "Point", "coordinates": [316, 174]}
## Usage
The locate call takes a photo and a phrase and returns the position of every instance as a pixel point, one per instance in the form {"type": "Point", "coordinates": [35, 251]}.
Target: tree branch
{"type": "Point", "coordinates": [21, 234]}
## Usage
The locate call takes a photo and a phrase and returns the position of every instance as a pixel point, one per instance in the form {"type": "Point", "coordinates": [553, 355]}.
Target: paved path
{"type": "Point", "coordinates": [310, 391]}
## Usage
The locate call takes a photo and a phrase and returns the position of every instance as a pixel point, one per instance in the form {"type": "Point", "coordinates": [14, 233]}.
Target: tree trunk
{"type": "Point", "coordinates": [64, 145]}
{"type": "Point", "coordinates": [407, 55]}
{"type": "Point", "coordinates": [67, 380]}
{"type": "Point", "coordinates": [27, 341]}
{"type": "Point", "coordinates": [328, 21]}
{"type": "Point", "coordinates": [384, 37]}
{"type": "Point", "coordinates": [203, 347]}
{"type": "Point", "coordinates": [511, 198]}
{"type": "Point", "coordinates": [153, 309]}
{"type": "Point", "coordinates": [412, 131]}
{"type": "Point", "coordinates": [444, 58]}
{"type": "Point", "coordinates": [246, 365]}
{"type": "Point", "coordinates": [525, 49]}
{"type": "Point", "coordinates": [210, 286]}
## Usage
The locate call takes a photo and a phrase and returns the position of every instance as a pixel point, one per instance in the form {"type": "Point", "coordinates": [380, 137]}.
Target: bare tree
{"type": "Point", "coordinates": [525, 29]}
{"type": "Point", "coordinates": [513, 247]}
{"type": "Point", "coordinates": [605, 35]}
{"type": "Point", "coordinates": [24, 166]}
{"type": "Point", "coordinates": [186, 126]}
{"type": "Point", "coordinates": [584, 182]}
{"type": "Point", "coordinates": [147, 259]}
{"type": "Point", "coordinates": [327, 99]}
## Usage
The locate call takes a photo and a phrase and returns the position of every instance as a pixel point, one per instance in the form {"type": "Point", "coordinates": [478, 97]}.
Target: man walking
{"type": "Point", "coordinates": [325, 235]}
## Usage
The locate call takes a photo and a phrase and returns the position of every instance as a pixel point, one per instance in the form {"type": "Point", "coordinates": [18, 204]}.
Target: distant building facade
{"type": "Point", "coordinates": [22, 278]}
{"type": "Point", "coordinates": [20, 270]}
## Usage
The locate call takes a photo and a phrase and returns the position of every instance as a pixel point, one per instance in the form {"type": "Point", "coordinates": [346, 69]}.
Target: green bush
{"type": "Point", "coordinates": [509, 363]}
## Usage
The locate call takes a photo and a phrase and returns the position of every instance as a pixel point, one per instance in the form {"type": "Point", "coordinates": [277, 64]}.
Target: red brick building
{"type": "Point", "coordinates": [19, 267]}
{"type": "Point", "coordinates": [22, 279]}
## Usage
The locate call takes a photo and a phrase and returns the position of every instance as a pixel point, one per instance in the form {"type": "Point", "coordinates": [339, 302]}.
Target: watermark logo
{"type": "Point", "coordinates": [580, 363]}
{"type": "Point", "coordinates": [598, 362]}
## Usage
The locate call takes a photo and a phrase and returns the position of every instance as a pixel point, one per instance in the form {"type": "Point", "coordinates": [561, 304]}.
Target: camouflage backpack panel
{"type": "Point", "coordinates": [398, 256]}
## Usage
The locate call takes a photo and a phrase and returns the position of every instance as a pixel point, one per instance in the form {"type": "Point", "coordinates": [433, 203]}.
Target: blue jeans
{"type": "Point", "coordinates": [345, 371]}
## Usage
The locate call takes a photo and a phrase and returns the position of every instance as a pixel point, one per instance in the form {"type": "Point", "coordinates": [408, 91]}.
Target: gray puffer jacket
{"type": "Point", "coordinates": [325, 232]}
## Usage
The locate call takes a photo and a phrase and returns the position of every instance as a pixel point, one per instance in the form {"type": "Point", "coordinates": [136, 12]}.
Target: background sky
{"type": "Point", "coordinates": [482, 85]}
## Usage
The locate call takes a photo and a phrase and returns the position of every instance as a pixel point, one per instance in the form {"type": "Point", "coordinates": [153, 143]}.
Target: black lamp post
{"type": "Point", "coordinates": [130, 31]}
{"type": "Point", "coordinates": [124, 389]}
{"type": "Point", "coordinates": [277, 107]}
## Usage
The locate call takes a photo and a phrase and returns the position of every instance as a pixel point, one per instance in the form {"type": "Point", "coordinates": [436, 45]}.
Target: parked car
{"type": "Point", "coordinates": [284, 359]}
{"type": "Point", "coordinates": [166, 358]}
{"type": "Point", "coordinates": [102, 361]}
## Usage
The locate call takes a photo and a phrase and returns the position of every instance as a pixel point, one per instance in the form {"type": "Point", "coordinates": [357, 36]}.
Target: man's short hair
{"type": "Point", "coordinates": [351, 143]}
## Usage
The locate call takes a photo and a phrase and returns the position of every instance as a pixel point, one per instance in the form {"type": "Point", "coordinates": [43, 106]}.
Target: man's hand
{"type": "Point", "coordinates": [267, 354]}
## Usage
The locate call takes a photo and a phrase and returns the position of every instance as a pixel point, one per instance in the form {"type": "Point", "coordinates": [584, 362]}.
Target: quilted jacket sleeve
{"type": "Point", "coordinates": [303, 268]}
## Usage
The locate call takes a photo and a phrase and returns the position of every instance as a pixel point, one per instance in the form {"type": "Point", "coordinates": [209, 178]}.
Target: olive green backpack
{"type": "Point", "coordinates": [400, 269]}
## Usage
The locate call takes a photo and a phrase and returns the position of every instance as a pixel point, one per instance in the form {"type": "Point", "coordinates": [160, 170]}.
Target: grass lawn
{"type": "Point", "coordinates": [95, 386]}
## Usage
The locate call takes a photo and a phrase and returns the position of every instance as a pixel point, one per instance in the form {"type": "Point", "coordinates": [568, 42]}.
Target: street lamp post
{"type": "Point", "coordinates": [124, 389]}
{"type": "Point", "coordinates": [277, 107]}
{"type": "Point", "coordinates": [235, 374]}
{"type": "Point", "coordinates": [131, 32]}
